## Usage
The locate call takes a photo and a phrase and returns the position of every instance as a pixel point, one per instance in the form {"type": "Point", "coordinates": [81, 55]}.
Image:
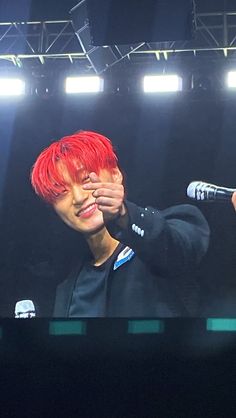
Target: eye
{"type": "Point", "coordinates": [60, 194]}
{"type": "Point", "coordinates": [85, 179]}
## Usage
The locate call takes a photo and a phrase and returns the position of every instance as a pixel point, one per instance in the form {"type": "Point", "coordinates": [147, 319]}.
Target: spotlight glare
{"type": "Point", "coordinates": [92, 84]}
{"type": "Point", "coordinates": [231, 79]}
{"type": "Point", "coordinates": [162, 83]}
{"type": "Point", "coordinates": [11, 87]}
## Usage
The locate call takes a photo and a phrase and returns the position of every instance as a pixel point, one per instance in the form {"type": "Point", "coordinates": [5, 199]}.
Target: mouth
{"type": "Point", "coordinates": [87, 211]}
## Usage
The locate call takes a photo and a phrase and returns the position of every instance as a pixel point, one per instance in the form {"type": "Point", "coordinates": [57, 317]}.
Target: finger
{"type": "Point", "coordinates": [95, 186]}
{"type": "Point", "coordinates": [107, 201]}
{"type": "Point", "coordinates": [234, 200]}
{"type": "Point", "coordinates": [107, 212]}
{"type": "Point", "coordinates": [91, 186]}
{"type": "Point", "coordinates": [113, 193]}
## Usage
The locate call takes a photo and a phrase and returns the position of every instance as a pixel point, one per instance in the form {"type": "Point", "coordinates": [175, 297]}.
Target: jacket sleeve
{"type": "Point", "coordinates": [171, 242]}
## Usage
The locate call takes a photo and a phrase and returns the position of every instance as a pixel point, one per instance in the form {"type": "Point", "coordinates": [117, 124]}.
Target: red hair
{"type": "Point", "coordinates": [85, 149]}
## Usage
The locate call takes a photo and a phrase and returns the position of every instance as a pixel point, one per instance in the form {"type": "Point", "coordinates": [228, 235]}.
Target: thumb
{"type": "Point", "coordinates": [94, 177]}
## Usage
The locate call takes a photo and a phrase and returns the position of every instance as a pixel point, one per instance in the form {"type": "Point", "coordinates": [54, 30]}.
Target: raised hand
{"type": "Point", "coordinates": [109, 194]}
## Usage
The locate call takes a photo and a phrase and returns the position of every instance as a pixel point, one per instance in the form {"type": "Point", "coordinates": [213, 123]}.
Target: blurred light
{"type": "Point", "coordinates": [221, 324]}
{"type": "Point", "coordinates": [70, 327]}
{"type": "Point", "coordinates": [11, 87]}
{"type": "Point", "coordinates": [162, 83]}
{"type": "Point", "coordinates": [145, 326]}
{"type": "Point", "coordinates": [84, 84]}
{"type": "Point", "coordinates": [231, 79]}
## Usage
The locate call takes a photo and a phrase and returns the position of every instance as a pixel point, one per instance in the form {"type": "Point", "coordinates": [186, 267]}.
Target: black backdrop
{"type": "Point", "coordinates": [163, 144]}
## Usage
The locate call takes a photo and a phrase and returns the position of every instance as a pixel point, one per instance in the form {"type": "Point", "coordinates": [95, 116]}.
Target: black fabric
{"type": "Point", "coordinates": [159, 280]}
{"type": "Point", "coordinates": [89, 298]}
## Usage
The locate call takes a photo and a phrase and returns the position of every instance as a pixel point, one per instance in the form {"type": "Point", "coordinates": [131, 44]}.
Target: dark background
{"type": "Point", "coordinates": [163, 144]}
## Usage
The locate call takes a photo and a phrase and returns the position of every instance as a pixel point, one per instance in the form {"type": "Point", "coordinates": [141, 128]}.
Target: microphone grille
{"type": "Point", "coordinates": [191, 189]}
{"type": "Point", "coordinates": [25, 309]}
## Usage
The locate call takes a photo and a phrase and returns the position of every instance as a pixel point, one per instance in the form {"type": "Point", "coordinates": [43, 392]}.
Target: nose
{"type": "Point", "coordinates": [79, 195]}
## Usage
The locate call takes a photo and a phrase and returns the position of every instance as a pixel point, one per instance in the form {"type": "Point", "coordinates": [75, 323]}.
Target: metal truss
{"type": "Point", "coordinates": [27, 43]}
{"type": "Point", "coordinates": [38, 41]}
{"type": "Point", "coordinates": [215, 32]}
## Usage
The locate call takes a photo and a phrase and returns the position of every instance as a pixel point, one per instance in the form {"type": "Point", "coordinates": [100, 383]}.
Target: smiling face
{"type": "Point", "coordinates": [77, 207]}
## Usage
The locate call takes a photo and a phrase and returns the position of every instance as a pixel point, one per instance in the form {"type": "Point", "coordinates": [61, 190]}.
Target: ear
{"type": "Point", "coordinates": [117, 176]}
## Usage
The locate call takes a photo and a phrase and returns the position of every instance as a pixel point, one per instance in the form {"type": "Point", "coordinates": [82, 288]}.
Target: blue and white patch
{"type": "Point", "coordinates": [123, 257]}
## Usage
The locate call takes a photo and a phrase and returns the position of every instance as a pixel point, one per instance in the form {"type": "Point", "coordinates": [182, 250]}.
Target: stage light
{"type": "Point", "coordinates": [231, 79]}
{"type": "Point", "coordinates": [90, 84]}
{"type": "Point", "coordinates": [162, 83]}
{"type": "Point", "coordinates": [11, 87]}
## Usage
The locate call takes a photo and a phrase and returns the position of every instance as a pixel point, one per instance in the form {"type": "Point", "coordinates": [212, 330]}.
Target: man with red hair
{"type": "Point", "coordinates": [138, 255]}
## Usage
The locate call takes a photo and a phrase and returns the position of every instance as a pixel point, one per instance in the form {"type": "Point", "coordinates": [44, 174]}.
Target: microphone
{"type": "Point", "coordinates": [25, 309]}
{"type": "Point", "coordinates": [205, 191]}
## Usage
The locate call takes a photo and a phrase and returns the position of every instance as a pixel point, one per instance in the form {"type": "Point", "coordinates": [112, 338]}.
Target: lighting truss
{"type": "Point", "coordinates": [23, 43]}
{"type": "Point", "coordinates": [215, 32]}
{"type": "Point", "coordinates": [38, 41]}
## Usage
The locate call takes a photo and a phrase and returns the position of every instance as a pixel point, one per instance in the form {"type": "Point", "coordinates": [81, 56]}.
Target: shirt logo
{"type": "Point", "coordinates": [125, 255]}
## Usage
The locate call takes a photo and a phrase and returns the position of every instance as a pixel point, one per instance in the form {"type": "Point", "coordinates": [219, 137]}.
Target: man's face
{"type": "Point", "coordinates": [77, 207]}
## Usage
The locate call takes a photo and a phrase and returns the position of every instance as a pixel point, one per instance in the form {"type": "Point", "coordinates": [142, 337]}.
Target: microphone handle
{"type": "Point", "coordinates": [221, 193]}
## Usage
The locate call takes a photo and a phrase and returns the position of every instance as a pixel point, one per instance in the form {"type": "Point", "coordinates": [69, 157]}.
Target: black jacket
{"type": "Point", "coordinates": [156, 280]}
